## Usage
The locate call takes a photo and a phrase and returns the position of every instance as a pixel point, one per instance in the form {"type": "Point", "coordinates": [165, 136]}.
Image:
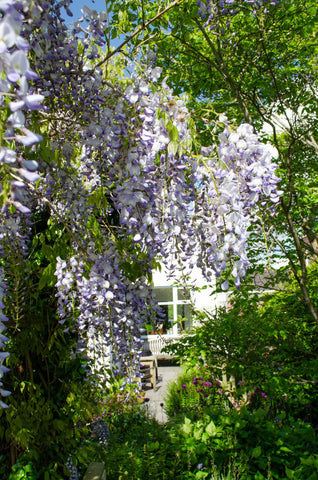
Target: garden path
{"type": "Point", "coordinates": [154, 405]}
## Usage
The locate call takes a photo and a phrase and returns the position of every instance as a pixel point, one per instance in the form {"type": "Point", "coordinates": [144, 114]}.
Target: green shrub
{"type": "Point", "coordinates": [254, 437]}
{"type": "Point", "coordinates": [139, 448]}
{"type": "Point", "coordinates": [193, 390]}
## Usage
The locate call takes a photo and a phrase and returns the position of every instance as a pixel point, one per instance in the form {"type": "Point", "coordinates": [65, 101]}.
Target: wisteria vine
{"type": "Point", "coordinates": [16, 100]}
{"type": "Point", "coordinates": [122, 178]}
{"type": "Point", "coordinates": [208, 10]}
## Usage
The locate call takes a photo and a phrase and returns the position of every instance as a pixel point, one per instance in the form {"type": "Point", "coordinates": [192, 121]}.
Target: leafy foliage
{"type": "Point", "coordinates": [260, 340]}
{"type": "Point", "coordinates": [259, 360]}
{"type": "Point", "coordinates": [255, 63]}
{"type": "Point", "coordinates": [121, 169]}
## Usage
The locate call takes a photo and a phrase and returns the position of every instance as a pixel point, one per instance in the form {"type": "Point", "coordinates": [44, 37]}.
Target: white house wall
{"type": "Point", "coordinates": [201, 299]}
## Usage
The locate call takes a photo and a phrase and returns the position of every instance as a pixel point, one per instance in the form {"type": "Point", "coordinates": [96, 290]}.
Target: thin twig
{"type": "Point", "coordinates": [136, 33]}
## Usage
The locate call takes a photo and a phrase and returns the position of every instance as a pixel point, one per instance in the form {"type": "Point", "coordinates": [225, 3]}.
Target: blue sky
{"type": "Point", "coordinates": [77, 6]}
{"type": "Point", "coordinates": [98, 5]}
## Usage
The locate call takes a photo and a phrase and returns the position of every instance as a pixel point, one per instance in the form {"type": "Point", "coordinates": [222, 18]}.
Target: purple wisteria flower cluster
{"type": "Point", "coordinates": [111, 311]}
{"type": "Point", "coordinates": [184, 209]}
{"type": "Point", "coordinates": [17, 99]}
{"type": "Point", "coordinates": [209, 9]}
{"type": "Point", "coordinates": [170, 204]}
{"type": "Point", "coordinates": [241, 175]}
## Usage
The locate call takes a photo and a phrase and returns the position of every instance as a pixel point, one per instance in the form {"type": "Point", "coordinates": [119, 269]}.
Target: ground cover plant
{"type": "Point", "coordinates": [253, 435]}
{"type": "Point", "coordinates": [110, 163]}
{"type": "Point", "coordinates": [212, 432]}
{"type": "Point", "coordinates": [140, 448]}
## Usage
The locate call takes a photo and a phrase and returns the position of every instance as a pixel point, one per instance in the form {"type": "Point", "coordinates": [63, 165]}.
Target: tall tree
{"type": "Point", "coordinates": [255, 62]}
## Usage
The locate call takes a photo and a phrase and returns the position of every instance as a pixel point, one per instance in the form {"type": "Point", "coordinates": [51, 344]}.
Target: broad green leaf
{"type": "Point", "coordinates": [290, 473]}
{"type": "Point", "coordinates": [256, 452]}
{"type": "Point", "coordinates": [211, 429]}
{"type": "Point", "coordinates": [187, 426]}
{"type": "Point", "coordinates": [173, 147]}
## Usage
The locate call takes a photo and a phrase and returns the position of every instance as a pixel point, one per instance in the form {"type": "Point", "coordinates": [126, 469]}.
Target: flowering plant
{"type": "Point", "coordinates": [131, 159]}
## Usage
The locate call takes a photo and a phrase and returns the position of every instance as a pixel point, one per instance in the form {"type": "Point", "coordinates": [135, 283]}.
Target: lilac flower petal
{"type": "Point", "coordinates": [17, 119]}
{"type": "Point", "coordinates": [29, 176]}
{"type": "Point", "coordinates": [7, 155]}
{"type": "Point", "coordinates": [19, 62]}
{"type": "Point", "coordinates": [14, 106]}
{"type": "Point", "coordinates": [13, 76]}
{"type": "Point", "coordinates": [29, 138]}
{"type": "Point", "coordinates": [225, 285]}
{"type": "Point", "coordinates": [30, 165]}
{"type": "Point", "coordinates": [33, 102]}
{"type": "Point", "coordinates": [4, 393]}
{"type": "Point", "coordinates": [22, 43]}
{"type": "Point", "coordinates": [21, 208]}
{"type": "Point", "coordinates": [31, 75]}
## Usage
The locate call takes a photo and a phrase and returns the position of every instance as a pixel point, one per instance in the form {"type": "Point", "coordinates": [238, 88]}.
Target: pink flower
{"type": "Point", "coordinates": [206, 384]}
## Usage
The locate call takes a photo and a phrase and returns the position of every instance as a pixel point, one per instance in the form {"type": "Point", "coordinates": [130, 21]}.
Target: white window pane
{"type": "Point", "coordinates": [166, 320]}
{"type": "Point", "coordinates": [163, 294]}
{"type": "Point", "coordinates": [184, 317]}
{"type": "Point", "coordinates": [183, 295]}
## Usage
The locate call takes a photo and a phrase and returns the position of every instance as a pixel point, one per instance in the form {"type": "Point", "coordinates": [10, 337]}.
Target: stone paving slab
{"type": "Point", "coordinates": [166, 374]}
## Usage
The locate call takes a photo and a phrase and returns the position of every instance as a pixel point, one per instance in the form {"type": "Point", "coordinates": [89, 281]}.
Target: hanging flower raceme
{"type": "Point", "coordinates": [16, 97]}
{"type": "Point", "coordinates": [111, 310]}
{"type": "Point", "coordinates": [193, 210]}
{"type": "Point", "coordinates": [240, 176]}
{"type": "Point", "coordinates": [190, 210]}
{"type": "Point", "coordinates": [16, 100]}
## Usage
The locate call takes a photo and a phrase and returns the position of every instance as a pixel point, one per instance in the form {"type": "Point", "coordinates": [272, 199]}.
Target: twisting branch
{"type": "Point", "coordinates": [220, 66]}
{"type": "Point", "coordinates": [302, 280]}
{"type": "Point", "coordinates": [136, 33]}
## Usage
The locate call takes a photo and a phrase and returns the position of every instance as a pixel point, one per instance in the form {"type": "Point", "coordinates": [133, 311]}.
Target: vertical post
{"type": "Point", "coordinates": [175, 310]}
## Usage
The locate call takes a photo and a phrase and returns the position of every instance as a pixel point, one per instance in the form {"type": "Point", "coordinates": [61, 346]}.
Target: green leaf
{"type": "Point", "coordinates": [290, 473]}
{"type": "Point", "coordinates": [199, 475]}
{"type": "Point", "coordinates": [12, 208]}
{"type": "Point", "coordinates": [310, 461]}
{"type": "Point", "coordinates": [259, 476]}
{"type": "Point", "coordinates": [313, 476]}
{"type": "Point", "coordinates": [173, 133]}
{"type": "Point", "coordinates": [197, 434]}
{"type": "Point", "coordinates": [211, 429]}
{"type": "Point", "coordinates": [187, 426]}
{"type": "Point", "coordinates": [256, 452]}
{"type": "Point", "coordinates": [48, 278]}
{"type": "Point", "coordinates": [173, 147]}
{"type": "Point", "coordinates": [286, 449]}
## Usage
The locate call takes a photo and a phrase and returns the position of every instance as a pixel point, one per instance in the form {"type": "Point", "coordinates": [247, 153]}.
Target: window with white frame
{"type": "Point", "coordinates": [175, 308]}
